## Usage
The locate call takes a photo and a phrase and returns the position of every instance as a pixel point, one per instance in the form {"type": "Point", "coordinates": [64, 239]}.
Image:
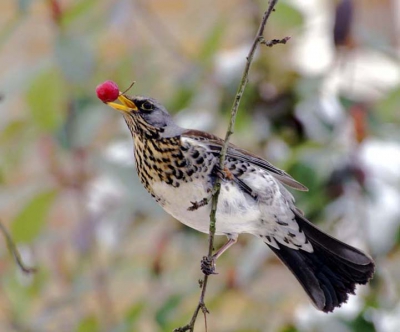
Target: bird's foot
{"type": "Point", "coordinates": [196, 205]}
{"type": "Point", "coordinates": [208, 265]}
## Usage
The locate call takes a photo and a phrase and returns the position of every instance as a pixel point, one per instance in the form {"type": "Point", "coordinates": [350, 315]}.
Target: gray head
{"type": "Point", "coordinates": [145, 116]}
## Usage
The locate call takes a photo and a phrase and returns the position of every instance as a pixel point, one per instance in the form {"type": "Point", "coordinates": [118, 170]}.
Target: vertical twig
{"type": "Point", "coordinates": [214, 202]}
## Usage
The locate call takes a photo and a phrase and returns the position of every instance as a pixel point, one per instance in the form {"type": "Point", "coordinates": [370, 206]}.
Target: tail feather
{"type": "Point", "coordinates": [331, 271]}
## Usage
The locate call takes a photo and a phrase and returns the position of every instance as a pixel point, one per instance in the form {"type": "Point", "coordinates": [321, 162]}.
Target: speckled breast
{"type": "Point", "coordinates": [166, 160]}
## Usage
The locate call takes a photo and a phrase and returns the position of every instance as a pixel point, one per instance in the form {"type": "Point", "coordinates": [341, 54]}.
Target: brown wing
{"type": "Point", "coordinates": [215, 144]}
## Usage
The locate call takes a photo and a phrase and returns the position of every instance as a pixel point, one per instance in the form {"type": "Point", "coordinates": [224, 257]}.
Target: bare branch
{"type": "Point", "coordinates": [214, 202]}
{"type": "Point", "coordinates": [12, 248]}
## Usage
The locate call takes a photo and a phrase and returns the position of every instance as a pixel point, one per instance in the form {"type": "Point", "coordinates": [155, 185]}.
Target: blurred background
{"type": "Point", "coordinates": [325, 107]}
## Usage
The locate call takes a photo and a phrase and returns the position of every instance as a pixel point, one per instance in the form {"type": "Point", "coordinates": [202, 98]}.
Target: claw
{"type": "Point", "coordinates": [208, 265]}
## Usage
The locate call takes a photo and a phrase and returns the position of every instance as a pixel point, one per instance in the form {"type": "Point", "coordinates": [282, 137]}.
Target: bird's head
{"type": "Point", "coordinates": [145, 116]}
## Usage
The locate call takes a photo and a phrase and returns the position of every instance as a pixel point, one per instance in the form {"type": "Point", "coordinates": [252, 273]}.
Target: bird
{"type": "Point", "coordinates": [179, 168]}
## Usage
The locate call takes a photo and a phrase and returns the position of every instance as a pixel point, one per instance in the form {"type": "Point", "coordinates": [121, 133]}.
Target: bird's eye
{"type": "Point", "coordinates": [147, 106]}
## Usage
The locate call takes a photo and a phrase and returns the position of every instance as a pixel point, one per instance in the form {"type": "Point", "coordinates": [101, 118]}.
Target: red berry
{"type": "Point", "coordinates": [107, 91]}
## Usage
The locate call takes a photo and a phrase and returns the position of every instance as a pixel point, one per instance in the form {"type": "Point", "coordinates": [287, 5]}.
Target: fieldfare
{"type": "Point", "coordinates": [179, 167]}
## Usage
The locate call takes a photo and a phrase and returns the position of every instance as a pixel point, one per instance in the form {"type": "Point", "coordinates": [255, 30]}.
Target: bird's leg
{"type": "Point", "coordinates": [208, 262]}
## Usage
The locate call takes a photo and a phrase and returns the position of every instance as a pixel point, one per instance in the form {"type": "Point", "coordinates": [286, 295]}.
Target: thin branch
{"type": "Point", "coordinates": [217, 187]}
{"type": "Point", "coordinates": [12, 248]}
{"type": "Point", "coordinates": [273, 42]}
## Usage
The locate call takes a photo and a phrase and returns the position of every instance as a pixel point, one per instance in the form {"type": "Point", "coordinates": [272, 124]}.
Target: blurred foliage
{"type": "Point", "coordinates": [324, 107]}
{"type": "Point", "coordinates": [46, 94]}
{"type": "Point", "coordinates": [28, 224]}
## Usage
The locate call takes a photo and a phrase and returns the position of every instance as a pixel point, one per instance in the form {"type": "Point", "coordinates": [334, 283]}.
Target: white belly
{"type": "Point", "coordinates": [270, 216]}
{"type": "Point", "coordinates": [236, 212]}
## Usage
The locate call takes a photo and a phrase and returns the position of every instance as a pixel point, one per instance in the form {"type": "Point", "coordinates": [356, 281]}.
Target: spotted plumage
{"type": "Point", "coordinates": [179, 168]}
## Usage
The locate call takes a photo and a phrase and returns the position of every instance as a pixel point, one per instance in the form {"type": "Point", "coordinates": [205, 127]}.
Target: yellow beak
{"type": "Point", "coordinates": [127, 104]}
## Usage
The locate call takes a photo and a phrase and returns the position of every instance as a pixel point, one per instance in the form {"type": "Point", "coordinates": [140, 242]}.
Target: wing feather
{"type": "Point", "coordinates": [215, 144]}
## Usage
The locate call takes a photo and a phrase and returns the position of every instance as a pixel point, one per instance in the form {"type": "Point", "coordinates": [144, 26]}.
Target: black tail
{"type": "Point", "coordinates": [329, 273]}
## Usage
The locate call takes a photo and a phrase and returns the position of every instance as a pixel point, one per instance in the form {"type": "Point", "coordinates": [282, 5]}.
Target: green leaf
{"type": "Point", "coordinates": [40, 281]}
{"type": "Point", "coordinates": [133, 314]}
{"type": "Point", "coordinates": [46, 97]}
{"type": "Point", "coordinates": [213, 40]}
{"type": "Point", "coordinates": [361, 324]}
{"type": "Point", "coordinates": [182, 97]}
{"type": "Point", "coordinates": [73, 12]}
{"type": "Point", "coordinates": [88, 324]}
{"type": "Point", "coordinates": [387, 108]}
{"type": "Point", "coordinates": [287, 16]}
{"type": "Point", "coordinates": [164, 313]}
{"type": "Point", "coordinates": [29, 222]}
{"type": "Point", "coordinates": [12, 131]}
{"type": "Point", "coordinates": [289, 328]}
{"type": "Point", "coordinates": [303, 171]}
